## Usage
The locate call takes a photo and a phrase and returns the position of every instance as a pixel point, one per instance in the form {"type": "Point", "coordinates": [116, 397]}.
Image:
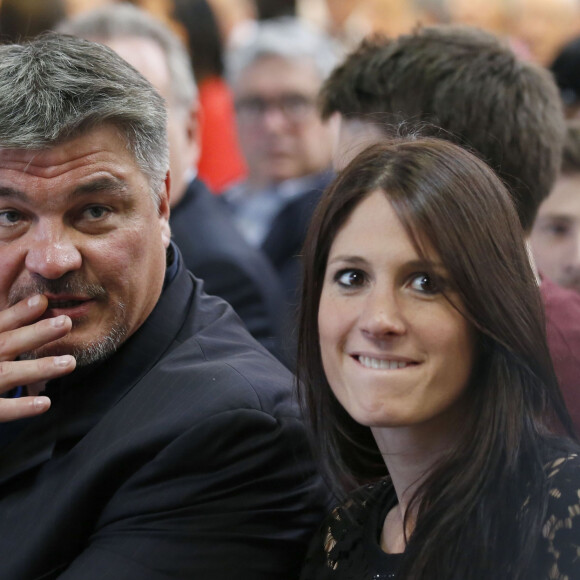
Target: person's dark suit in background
{"type": "Point", "coordinates": [202, 228]}
{"type": "Point", "coordinates": [229, 267]}
{"type": "Point", "coordinates": [173, 447]}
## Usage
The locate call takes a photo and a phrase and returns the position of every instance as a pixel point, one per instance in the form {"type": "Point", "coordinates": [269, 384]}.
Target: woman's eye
{"type": "Point", "coordinates": [425, 283]}
{"type": "Point", "coordinates": [350, 278]}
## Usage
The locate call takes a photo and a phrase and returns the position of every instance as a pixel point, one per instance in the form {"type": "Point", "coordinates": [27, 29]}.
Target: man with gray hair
{"type": "Point", "coordinates": [276, 75]}
{"type": "Point", "coordinates": [211, 246]}
{"type": "Point", "coordinates": [156, 438]}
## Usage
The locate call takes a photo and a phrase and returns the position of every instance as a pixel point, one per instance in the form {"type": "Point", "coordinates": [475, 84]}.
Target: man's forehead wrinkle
{"type": "Point", "coordinates": [49, 168]}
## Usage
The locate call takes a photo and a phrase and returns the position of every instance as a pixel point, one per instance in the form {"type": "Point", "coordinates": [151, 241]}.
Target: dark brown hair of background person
{"type": "Point", "coordinates": [571, 152]}
{"type": "Point", "coordinates": [24, 19]}
{"type": "Point", "coordinates": [565, 71]}
{"type": "Point", "coordinates": [451, 202]}
{"type": "Point", "coordinates": [203, 37]}
{"type": "Point", "coordinates": [470, 84]}
{"type": "Point", "coordinates": [266, 9]}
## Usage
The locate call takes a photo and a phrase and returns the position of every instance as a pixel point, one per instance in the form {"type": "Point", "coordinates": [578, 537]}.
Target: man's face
{"type": "Point", "coordinates": [556, 234]}
{"type": "Point", "coordinates": [78, 223]}
{"type": "Point", "coordinates": [280, 132]}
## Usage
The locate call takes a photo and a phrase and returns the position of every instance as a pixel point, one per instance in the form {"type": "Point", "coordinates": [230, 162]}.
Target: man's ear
{"type": "Point", "coordinates": [193, 121]}
{"type": "Point", "coordinates": [163, 210]}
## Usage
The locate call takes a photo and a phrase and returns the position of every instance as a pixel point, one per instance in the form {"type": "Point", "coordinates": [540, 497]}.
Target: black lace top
{"type": "Point", "coordinates": [347, 546]}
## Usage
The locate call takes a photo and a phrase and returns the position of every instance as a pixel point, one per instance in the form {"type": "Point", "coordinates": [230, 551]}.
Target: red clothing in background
{"type": "Point", "coordinates": [562, 308]}
{"type": "Point", "coordinates": [221, 163]}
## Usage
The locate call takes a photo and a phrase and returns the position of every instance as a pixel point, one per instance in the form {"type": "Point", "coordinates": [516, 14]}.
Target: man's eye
{"type": "Point", "coordinates": [294, 102]}
{"type": "Point", "coordinates": [559, 230]}
{"type": "Point", "coordinates": [9, 217]}
{"type": "Point", "coordinates": [350, 278]}
{"type": "Point", "coordinates": [425, 283]}
{"type": "Point", "coordinates": [95, 212]}
{"type": "Point", "coordinates": [251, 106]}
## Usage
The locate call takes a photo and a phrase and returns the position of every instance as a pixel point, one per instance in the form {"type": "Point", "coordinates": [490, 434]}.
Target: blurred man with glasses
{"type": "Point", "coordinates": [276, 75]}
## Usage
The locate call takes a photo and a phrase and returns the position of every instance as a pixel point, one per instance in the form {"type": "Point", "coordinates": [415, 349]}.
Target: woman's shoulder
{"type": "Point", "coordinates": [561, 529]}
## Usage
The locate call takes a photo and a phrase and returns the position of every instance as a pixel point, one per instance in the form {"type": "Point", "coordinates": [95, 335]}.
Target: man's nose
{"type": "Point", "coordinates": [52, 252]}
{"type": "Point", "coordinates": [274, 118]}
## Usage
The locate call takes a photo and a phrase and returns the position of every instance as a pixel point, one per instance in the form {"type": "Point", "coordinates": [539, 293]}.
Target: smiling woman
{"type": "Point", "coordinates": [384, 311]}
{"type": "Point", "coordinates": [424, 370]}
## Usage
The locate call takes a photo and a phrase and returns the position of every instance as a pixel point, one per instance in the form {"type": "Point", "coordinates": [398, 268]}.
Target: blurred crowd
{"type": "Point", "coordinates": [537, 28]}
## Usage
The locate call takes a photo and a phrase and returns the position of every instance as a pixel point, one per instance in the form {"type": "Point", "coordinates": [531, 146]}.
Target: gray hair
{"type": "Point", "coordinates": [57, 87]}
{"type": "Point", "coordinates": [127, 21]}
{"type": "Point", "coordinates": [286, 38]}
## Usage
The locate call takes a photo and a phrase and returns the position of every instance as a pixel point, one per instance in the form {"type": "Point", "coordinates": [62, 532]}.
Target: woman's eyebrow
{"type": "Point", "coordinates": [347, 259]}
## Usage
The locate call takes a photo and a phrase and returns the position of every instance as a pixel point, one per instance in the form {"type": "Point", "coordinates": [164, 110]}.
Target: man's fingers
{"type": "Point", "coordinates": [26, 372]}
{"type": "Point", "coordinates": [23, 312]}
{"type": "Point", "coordinates": [12, 409]}
{"type": "Point", "coordinates": [15, 342]}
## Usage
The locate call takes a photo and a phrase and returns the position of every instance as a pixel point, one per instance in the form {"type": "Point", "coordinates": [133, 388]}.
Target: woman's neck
{"type": "Point", "coordinates": [410, 454]}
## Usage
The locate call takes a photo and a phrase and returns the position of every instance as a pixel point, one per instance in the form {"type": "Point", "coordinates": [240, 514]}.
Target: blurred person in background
{"type": "Point", "coordinates": [276, 76]}
{"type": "Point", "coordinates": [556, 234]}
{"type": "Point", "coordinates": [220, 162]}
{"type": "Point", "coordinates": [211, 246]}
{"type": "Point", "coordinates": [235, 17]}
{"type": "Point", "coordinates": [349, 21]}
{"type": "Point", "coordinates": [266, 9]}
{"type": "Point", "coordinates": [544, 26]}
{"type": "Point", "coordinates": [74, 7]}
{"type": "Point", "coordinates": [491, 15]}
{"type": "Point", "coordinates": [566, 71]}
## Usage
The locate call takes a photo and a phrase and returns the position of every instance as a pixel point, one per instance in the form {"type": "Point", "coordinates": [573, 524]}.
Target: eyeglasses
{"type": "Point", "coordinates": [295, 107]}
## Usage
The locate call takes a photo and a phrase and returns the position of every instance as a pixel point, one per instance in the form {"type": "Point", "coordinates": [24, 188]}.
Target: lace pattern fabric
{"type": "Point", "coordinates": [347, 545]}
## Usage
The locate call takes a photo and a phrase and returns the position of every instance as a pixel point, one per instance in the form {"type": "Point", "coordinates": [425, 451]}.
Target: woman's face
{"type": "Point", "coordinates": [395, 351]}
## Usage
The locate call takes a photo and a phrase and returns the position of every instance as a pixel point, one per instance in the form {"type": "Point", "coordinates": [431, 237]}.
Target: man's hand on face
{"type": "Point", "coordinates": [18, 335]}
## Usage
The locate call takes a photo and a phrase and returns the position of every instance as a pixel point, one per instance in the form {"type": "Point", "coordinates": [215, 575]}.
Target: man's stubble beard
{"type": "Point", "coordinates": [85, 353]}
{"type": "Point", "coordinates": [88, 352]}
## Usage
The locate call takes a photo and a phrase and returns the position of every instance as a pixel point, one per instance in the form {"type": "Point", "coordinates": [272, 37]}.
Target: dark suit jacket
{"type": "Point", "coordinates": [283, 246]}
{"type": "Point", "coordinates": [181, 456]}
{"type": "Point", "coordinates": [215, 251]}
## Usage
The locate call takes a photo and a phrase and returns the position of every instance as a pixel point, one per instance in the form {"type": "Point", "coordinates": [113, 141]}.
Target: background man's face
{"type": "Point", "coordinates": [182, 132]}
{"type": "Point", "coordinates": [354, 135]}
{"type": "Point", "coordinates": [78, 223]}
{"type": "Point", "coordinates": [556, 235]}
{"type": "Point", "coordinates": [280, 132]}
